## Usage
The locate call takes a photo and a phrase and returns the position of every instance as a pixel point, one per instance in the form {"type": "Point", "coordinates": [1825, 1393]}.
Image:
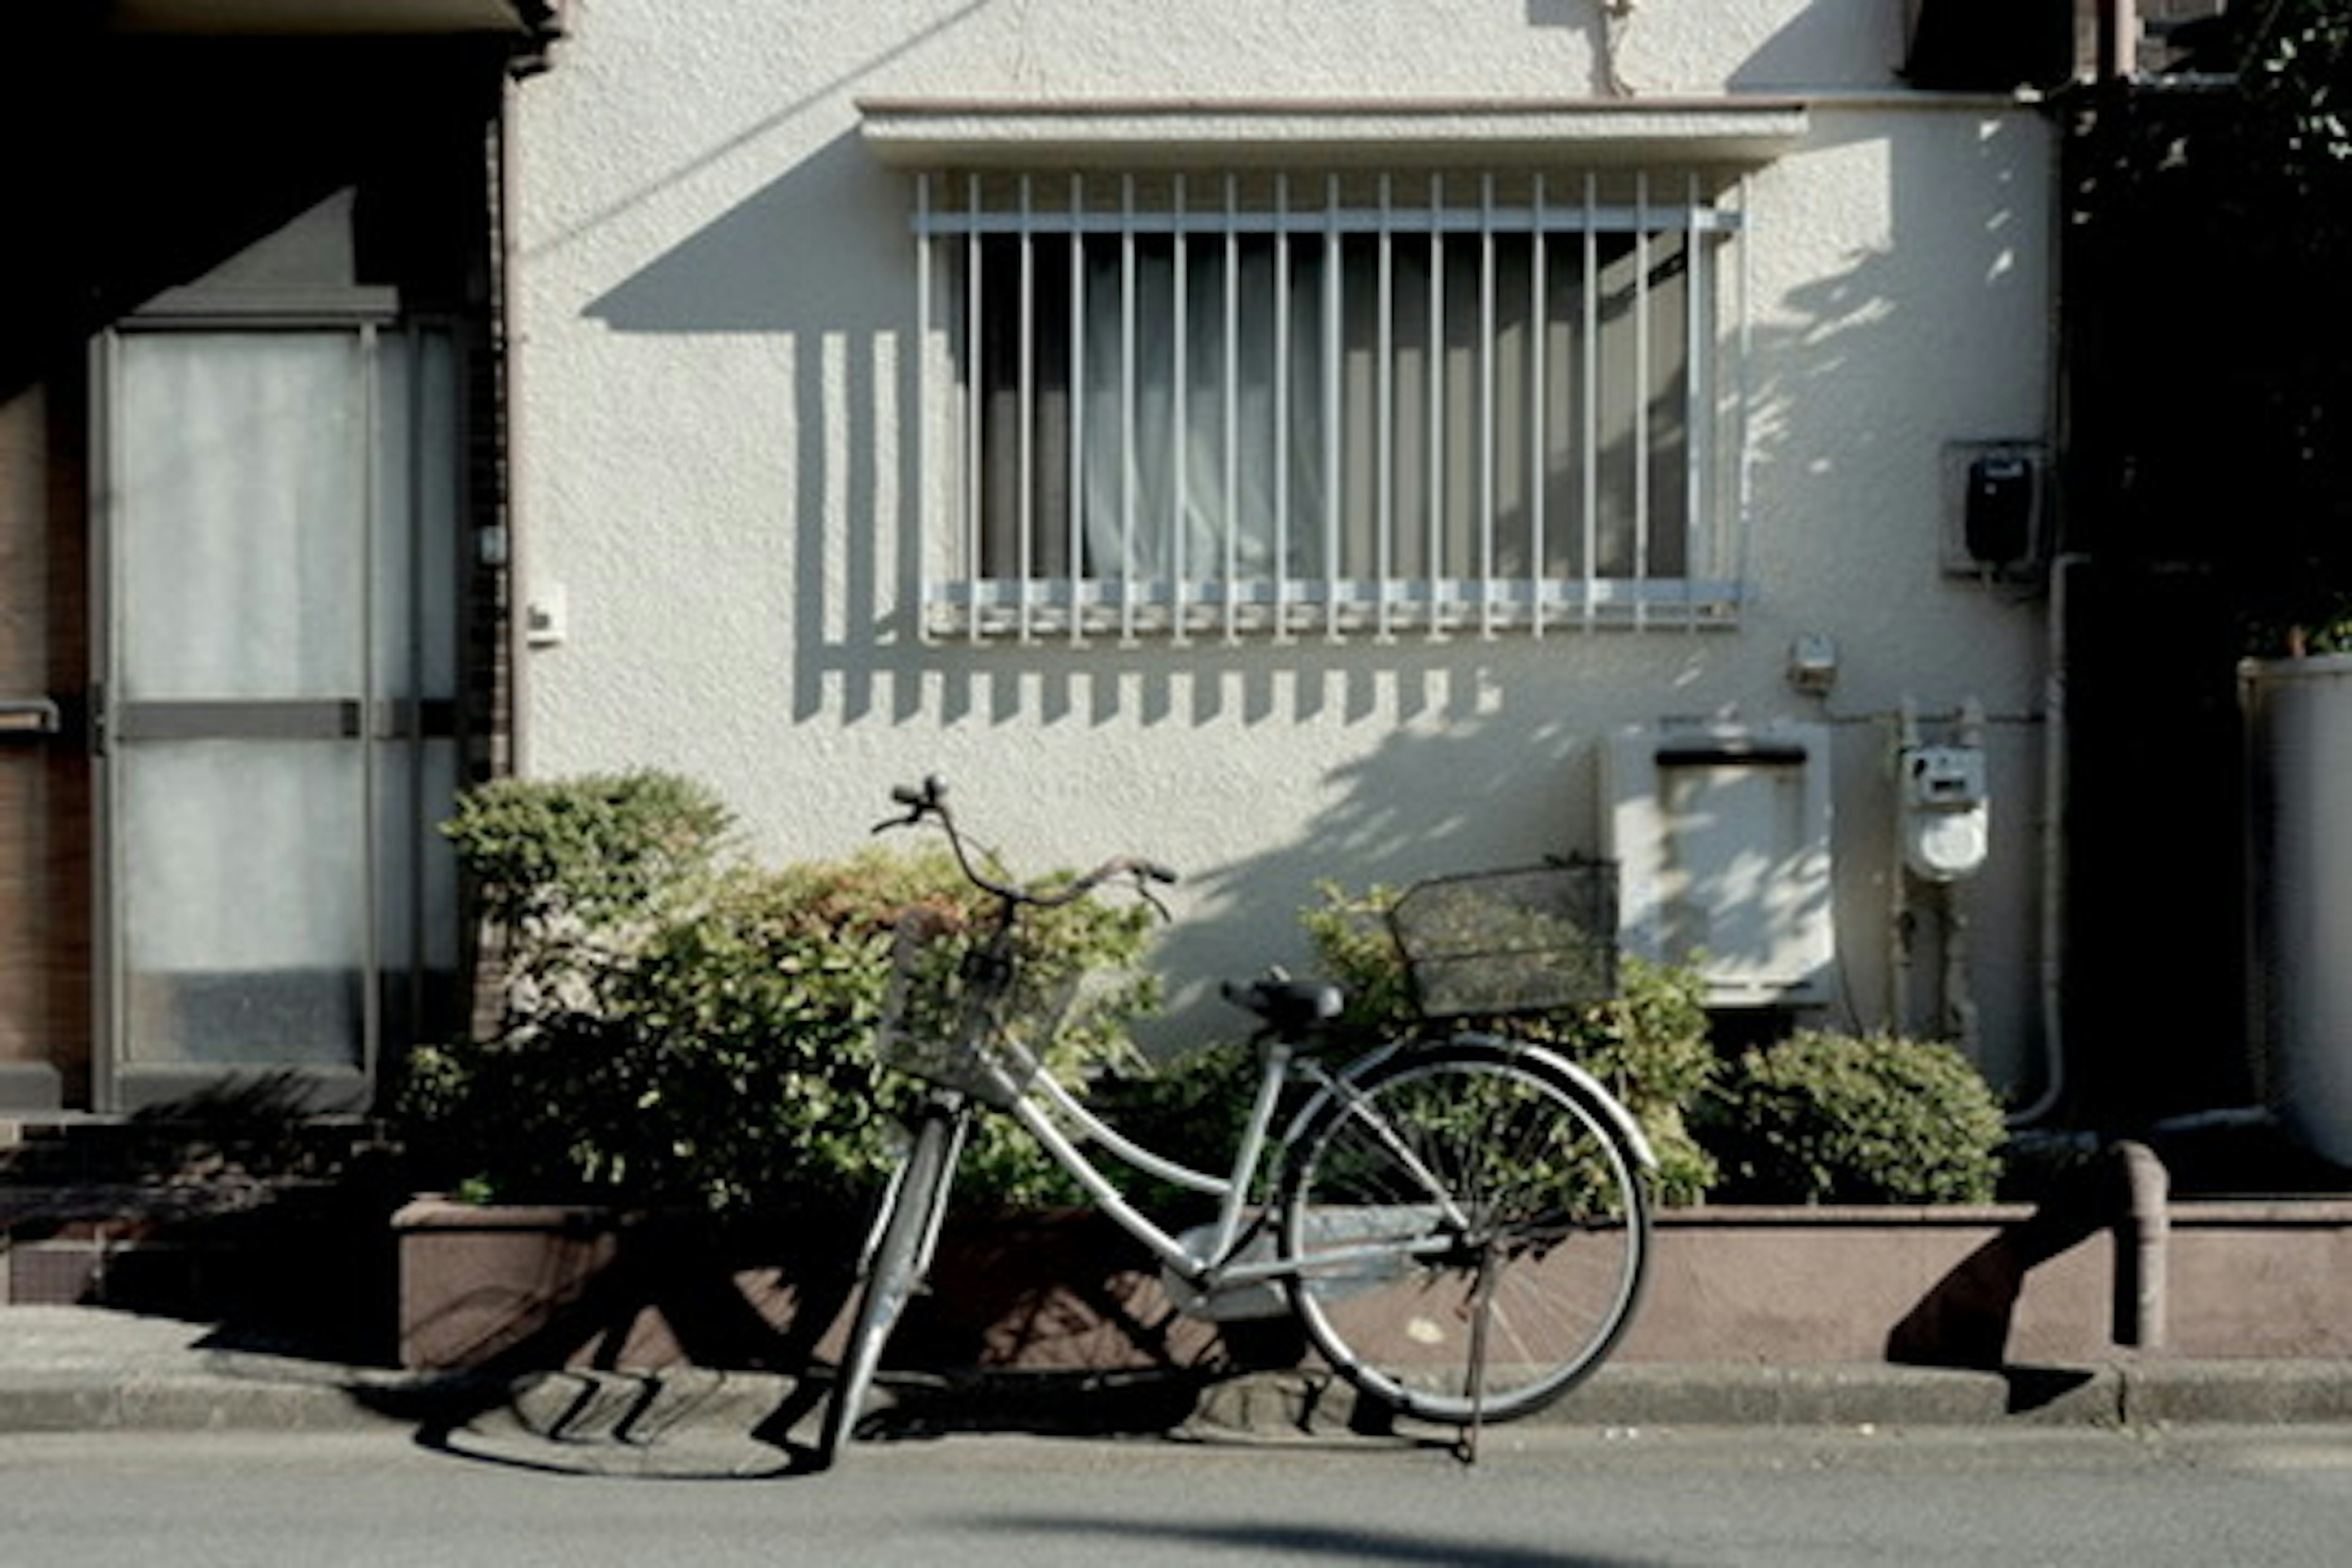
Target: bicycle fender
{"type": "Point", "coordinates": [1543, 1058]}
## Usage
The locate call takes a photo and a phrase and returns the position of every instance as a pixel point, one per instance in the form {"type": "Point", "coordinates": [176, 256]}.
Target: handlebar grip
{"type": "Point", "coordinates": [921, 796]}
{"type": "Point", "coordinates": [1153, 870]}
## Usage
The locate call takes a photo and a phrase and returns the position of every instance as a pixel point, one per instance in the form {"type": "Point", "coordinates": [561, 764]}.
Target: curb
{"type": "Point", "coordinates": [237, 1392]}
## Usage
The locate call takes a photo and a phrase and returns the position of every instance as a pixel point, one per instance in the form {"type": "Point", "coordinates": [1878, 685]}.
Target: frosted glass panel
{"type": "Point", "coordinates": [241, 514]}
{"type": "Point", "coordinates": [243, 913]}
{"type": "Point", "coordinates": [417, 508]}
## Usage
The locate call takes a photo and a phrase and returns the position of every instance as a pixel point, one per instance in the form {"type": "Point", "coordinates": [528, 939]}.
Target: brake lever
{"type": "Point", "coordinates": [920, 800]}
{"type": "Point", "coordinates": [1143, 875]}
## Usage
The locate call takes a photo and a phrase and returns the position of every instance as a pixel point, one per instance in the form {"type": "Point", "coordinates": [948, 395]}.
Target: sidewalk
{"type": "Point", "coordinates": [67, 1369]}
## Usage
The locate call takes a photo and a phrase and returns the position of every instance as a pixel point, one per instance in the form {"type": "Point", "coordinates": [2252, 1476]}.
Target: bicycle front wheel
{"type": "Point", "coordinates": [1469, 1232]}
{"type": "Point", "coordinates": [897, 1253]}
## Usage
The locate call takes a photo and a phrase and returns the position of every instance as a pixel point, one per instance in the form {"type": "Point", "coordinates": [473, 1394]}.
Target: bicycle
{"type": "Point", "coordinates": [1458, 1220]}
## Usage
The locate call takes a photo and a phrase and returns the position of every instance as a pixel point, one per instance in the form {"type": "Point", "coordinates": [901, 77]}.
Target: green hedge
{"type": "Point", "coordinates": [1824, 1118]}
{"type": "Point", "coordinates": [681, 1028]}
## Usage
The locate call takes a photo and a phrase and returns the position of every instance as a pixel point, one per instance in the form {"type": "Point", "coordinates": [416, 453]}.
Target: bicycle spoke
{"type": "Point", "coordinates": [1496, 1294]}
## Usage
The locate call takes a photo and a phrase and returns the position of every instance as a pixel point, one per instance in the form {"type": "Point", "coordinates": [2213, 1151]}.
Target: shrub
{"type": "Point", "coordinates": [1824, 1118]}
{"type": "Point", "coordinates": [1648, 1044]}
{"type": "Point", "coordinates": [586, 852]}
{"type": "Point", "coordinates": [679, 1030]}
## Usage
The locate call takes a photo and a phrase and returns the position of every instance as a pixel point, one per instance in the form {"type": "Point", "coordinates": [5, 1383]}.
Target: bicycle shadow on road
{"type": "Point", "coordinates": [673, 1359]}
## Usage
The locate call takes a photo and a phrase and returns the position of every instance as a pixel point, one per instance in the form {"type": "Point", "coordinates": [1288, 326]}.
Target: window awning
{"type": "Point", "coordinates": [980, 133]}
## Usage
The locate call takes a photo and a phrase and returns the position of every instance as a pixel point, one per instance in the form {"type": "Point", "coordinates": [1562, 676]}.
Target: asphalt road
{"type": "Point", "coordinates": [2080, 1498]}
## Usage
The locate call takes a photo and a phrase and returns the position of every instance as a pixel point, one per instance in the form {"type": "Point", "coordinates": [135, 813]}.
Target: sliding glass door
{"type": "Point", "coordinates": [280, 669]}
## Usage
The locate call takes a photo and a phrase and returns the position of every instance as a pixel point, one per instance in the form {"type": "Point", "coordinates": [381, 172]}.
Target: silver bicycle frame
{"type": "Point", "coordinates": [1221, 1263]}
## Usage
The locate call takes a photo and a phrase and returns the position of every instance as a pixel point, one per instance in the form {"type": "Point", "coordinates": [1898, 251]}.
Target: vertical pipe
{"type": "Point", "coordinates": [512, 335]}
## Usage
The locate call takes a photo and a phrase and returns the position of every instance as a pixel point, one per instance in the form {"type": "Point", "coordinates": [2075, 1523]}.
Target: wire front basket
{"type": "Point", "coordinates": [961, 1017]}
{"type": "Point", "coordinates": [1526, 941]}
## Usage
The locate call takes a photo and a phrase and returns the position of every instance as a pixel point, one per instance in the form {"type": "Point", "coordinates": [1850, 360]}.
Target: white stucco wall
{"type": "Point", "coordinates": [715, 300]}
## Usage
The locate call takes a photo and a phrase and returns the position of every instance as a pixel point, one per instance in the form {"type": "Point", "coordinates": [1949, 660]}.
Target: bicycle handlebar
{"type": "Point", "coordinates": [927, 800]}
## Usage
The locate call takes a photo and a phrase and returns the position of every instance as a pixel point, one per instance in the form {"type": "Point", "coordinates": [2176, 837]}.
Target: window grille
{"type": "Point", "coordinates": [1332, 406]}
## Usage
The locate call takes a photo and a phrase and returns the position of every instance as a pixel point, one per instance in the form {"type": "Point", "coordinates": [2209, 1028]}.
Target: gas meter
{"type": "Point", "coordinates": [1945, 814]}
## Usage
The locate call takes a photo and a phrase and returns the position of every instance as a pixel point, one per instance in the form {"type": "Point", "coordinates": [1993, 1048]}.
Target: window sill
{"type": "Point", "coordinates": [1001, 610]}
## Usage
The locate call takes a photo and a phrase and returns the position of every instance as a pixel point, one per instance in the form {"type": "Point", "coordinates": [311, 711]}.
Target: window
{"type": "Point", "coordinates": [1360, 404]}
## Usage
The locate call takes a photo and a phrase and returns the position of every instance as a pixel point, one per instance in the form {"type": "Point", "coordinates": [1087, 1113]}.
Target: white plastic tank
{"type": "Point", "coordinates": [1721, 835]}
{"type": "Point", "coordinates": [2300, 713]}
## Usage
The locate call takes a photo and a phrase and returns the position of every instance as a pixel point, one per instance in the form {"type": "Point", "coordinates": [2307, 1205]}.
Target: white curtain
{"type": "Point", "coordinates": [1246, 444]}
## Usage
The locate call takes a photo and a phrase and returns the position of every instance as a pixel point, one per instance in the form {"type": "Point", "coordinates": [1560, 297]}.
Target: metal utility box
{"type": "Point", "coordinates": [1721, 834]}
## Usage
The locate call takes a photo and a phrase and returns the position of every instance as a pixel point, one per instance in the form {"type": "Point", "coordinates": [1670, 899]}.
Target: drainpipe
{"type": "Point", "coordinates": [511, 337]}
{"type": "Point", "coordinates": [2141, 1235]}
{"type": "Point", "coordinates": [2054, 858]}
{"type": "Point", "coordinates": [2114, 16]}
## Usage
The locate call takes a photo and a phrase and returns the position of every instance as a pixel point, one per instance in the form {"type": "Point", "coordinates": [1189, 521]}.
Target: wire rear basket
{"type": "Point", "coordinates": [957, 1015]}
{"type": "Point", "coordinates": [1531, 939]}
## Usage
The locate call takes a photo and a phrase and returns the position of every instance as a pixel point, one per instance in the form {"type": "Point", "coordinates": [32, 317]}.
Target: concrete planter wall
{"type": "Point", "coordinates": [1065, 1292]}
{"type": "Point", "coordinates": [1857, 1284]}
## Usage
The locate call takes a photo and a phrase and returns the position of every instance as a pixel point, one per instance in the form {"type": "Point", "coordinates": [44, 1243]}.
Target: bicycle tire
{"type": "Point", "coordinates": [897, 1253]}
{"type": "Point", "coordinates": [1548, 1215]}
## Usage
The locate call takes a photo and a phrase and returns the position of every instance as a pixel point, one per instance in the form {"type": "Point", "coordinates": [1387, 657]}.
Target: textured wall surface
{"type": "Point", "coordinates": [716, 304]}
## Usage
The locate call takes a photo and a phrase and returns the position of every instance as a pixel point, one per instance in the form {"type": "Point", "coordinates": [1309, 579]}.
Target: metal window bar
{"type": "Point", "coordinates": [1715, 488]}
{"type": "Point", "coordinates": [1538, 419]}
{"type": "Point", "coordinates": [1127, 272]}
{"type": "Point", "coordinates": [1075, 566]}
{"type": "Point", "coordinates": [976, 414]}
{"type": "Point", "coordinates": [1742, 451]}
{"type": "Point", "coordinates": [1698, 355]}
{"type": "Point", "coordinates": [1589, 446]}
{"type": "Point", "coordinates": [1334, 368]}
{"type": "Point", "coordinates": [1282, 393]}
{"type": "Point", "coordinates": [1433, 462]}
{"type": "Point", "coordinates": [1180, 470]}
{"type": "Point", "coordinates": [1025, 498]}
{"type": "Point", "coordinates": [1384, 418]}
{"type": "Point", "coordinates": [927, 397]}
{"type": "Point", "coordinates": [1486, 374]}
{"type": "Point", "coordinates": [1232, 427]}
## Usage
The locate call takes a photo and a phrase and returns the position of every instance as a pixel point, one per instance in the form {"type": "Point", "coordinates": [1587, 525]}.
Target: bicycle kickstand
{"type": "Point", "coordinates": [1482, 1309]}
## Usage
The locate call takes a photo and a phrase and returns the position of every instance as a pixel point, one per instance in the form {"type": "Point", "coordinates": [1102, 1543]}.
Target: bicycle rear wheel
{"type": "Point", "coordinates": [897, 1253]}
{"type": "Point", "coordinates": [1469, 1231]}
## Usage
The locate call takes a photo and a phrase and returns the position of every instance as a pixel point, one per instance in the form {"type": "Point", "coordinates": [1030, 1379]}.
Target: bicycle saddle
{"type": "Point", "coordinates": [1289, 1007]}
